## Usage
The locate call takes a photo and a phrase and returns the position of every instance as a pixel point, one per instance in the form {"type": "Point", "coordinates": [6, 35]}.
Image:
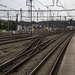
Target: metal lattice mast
{"type": "Point", "coordinates": [29, 4]}
{"type": "Point", "coordinates": [56, 3]}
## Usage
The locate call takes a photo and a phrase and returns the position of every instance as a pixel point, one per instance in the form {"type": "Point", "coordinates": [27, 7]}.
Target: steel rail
{"type": "Point", "coordinates": [59, 56]}
{"type": "Point", "coordinates": [46, 57]}
{"type": "Point", "coordinates": [31, 54]}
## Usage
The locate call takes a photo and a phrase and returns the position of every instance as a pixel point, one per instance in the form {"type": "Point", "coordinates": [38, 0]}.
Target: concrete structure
{"type": "Point", "coordinates": [68, 64]}
{"type": "Point", "coordinates": [23, 28]}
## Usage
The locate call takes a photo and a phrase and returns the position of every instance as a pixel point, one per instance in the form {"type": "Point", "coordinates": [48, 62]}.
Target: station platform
{"type": "Point", "coordinates": [67, 66]}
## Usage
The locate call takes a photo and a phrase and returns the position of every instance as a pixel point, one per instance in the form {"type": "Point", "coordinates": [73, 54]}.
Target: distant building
{"type": "Point", "coordinates": [70, 27]}
{"type": "Point", "coordinates": [24, 28]}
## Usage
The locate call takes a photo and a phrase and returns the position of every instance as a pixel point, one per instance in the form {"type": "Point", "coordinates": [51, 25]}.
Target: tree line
{"type": "Point", "coordinates": [8, 25]}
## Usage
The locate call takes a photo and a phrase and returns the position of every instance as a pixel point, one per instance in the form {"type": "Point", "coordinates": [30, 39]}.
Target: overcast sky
{"type": "Point", "coordinates": [17, 4]}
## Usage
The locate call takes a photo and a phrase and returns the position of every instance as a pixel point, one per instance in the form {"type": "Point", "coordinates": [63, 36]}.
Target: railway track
{"type": "Point", "coordinates": [31, 42]}
{"type": "Point", "coordinates": [25, 55]}
{"type": "Point", "coordinates": [36, 47]}
{"type": "Point", "coordinates": [10, 44]}
{"type": "Point", "coordinates": [49, 62]}
{"type": "Point", "coordinates": [29, 65]}
{"type": "Point", "coordinates": [14, 36]}
{"type": "Point", "coordinates": [24, 36]}
{"type": "Point", "coordinates": [16, 44]}
{"type": "Point", "coordinates": [29, 45]}
{"type": "Point", "coordinates": [9, 48]}
{"type": "Point", "coordinates": [17, 37]}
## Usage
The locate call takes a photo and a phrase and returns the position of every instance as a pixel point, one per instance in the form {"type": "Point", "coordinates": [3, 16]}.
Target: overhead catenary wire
{"type": "Point", "coordinates": [38, 1]}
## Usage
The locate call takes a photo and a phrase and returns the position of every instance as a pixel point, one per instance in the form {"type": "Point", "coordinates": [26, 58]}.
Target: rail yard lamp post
{"type": "Point", "coordinates": [8, 20]}
{"type": "Point", "coordinates": [47, 12]}
{"type": "Point", "coordinates": [38, 14]}
{"type": "Point", "coordinates": [31, 14]}
{"type": "Point", "coordinates": [29, 3]}
{"type": "Point", "coordinates": [16, 20]}
{"type": "Point", "coordinates": [47, 16]}
{"type": "Point", "coordinates": [65, 18]}
{"type": "Point", "coordinates": [21, 14]}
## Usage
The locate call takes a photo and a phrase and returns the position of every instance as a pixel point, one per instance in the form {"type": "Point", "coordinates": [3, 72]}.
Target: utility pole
{"type": "Point", "coordinates": [47, 13]}
{"type": "Point", "coordinates": [10, 24]}
{"type": "Point", "coordinates": [53, 16]}
{"type": "Point", "coordinates": [20, 14]}
{"type": "Point", "coordinates": [37, 15]}
{"type": "Point", "coordinates": [31, 14]}
{"type": "Point", "coordinates": [60, 17]}
{"type": "Point", "coordinates": [16, 19]}
{"type": "Point", "coordinates": [8, 20]}
{"type": "Point", "coordinates": [47, 18]}
{"type": "Point", "coordinates": [50, 15]}
{"type": "Point", "coordinates": [57, 15]}
{"type": "Point", "coordinates": [29, 3]}
{"type": "Point", "coordinates": [65, 18]}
